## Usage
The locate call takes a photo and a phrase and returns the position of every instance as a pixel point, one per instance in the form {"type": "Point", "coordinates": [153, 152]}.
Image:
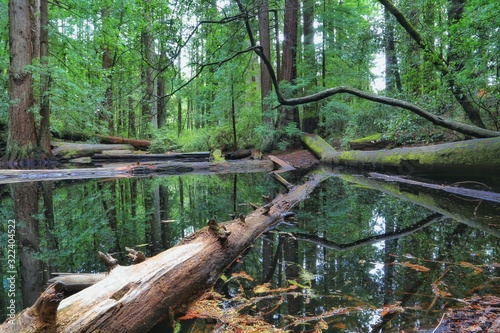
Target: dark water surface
{"type": "Point", "coordinates": [356, 245]}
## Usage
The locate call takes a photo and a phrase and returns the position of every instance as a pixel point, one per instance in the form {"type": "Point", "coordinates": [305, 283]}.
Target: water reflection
{"type": "Point", "coordinates": [356, 243]}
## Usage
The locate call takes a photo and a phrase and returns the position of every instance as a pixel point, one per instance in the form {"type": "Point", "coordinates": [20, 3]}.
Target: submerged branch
{"type": "Point", "coordinates": [373, 239]}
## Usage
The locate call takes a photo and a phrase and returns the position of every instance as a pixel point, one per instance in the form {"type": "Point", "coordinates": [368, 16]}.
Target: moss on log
{"type": "Point", "coordinates": [470, 157]}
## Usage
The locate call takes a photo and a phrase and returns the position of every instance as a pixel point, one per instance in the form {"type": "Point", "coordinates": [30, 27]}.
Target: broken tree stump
{"type": "Point", "coordinates": [41, 317]}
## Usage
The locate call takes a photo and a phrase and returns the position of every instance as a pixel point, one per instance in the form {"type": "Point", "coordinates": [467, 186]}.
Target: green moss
{"type": "Point", "coordinates": [370, 138]}
{"type": "Point", "coordinates": [217, 156]}
{"type": "Point", "coordinates": [317, 145]}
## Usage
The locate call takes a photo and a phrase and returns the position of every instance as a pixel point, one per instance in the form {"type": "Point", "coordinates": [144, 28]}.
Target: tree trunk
{"type": "Point", "coordinates": [44, 129]}
{"type": "Point", "coordinates": [106, 115]}
{"type": "Point", "coordinates": [289, 63]}
{"type": "Point", "coordinates": [392, 77]}
{"type": "Point", "coordinates": [148, 113]}
{"type": "Point", "coordinates": [22, 142]}
{"type": "Point", "coordinates": [310, 119]}
{"type": "Point", "coordinates": [135, 298]}
{"type": "Point", "coordinates": [26, 199]}
{"type": "Point", "coordinates": [472, 157]}
{"type": "Point", "coordinates": [265, 77]}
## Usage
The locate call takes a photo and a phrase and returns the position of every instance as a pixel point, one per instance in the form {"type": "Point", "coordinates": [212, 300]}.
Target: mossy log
{"type": "Point", "coordinates": [481, 213]}
{"type": "Point", "coordinates": [106, 139]}
{"type": "Point", "coordinates": [69, 150]}
{"type": "Point", "coordinates": [472, 157]}
{"type": "Point", "coordinates": [135, 298]}
{"type": "Point", "coordinates": [372, 142]}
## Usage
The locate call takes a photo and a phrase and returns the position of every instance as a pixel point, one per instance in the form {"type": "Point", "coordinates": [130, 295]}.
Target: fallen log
{"type": "Point", "coordinates": [70, 150]}
{"type": "Point", "coordinates": [135, 298]}
{"type": "Point", "coordinates": [372, 142]}
{"type": "Point", "coordinates": [189, 157]}
{"type": "Point", "coordinates": [477, 213]}
{"type": "Point", "coordinates": [80, 136]}
{"type": "Point", "coordinates": [8, 176]}
{"type": "Point", "coordinates": [472, 157]}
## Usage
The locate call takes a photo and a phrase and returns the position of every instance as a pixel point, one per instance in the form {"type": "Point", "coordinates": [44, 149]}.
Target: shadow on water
{"type": "Point", "coordinates": [357, 244]}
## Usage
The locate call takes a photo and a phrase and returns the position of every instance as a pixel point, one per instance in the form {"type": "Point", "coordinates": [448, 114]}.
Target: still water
{"type": "Point", "coordinates": [356, 244]}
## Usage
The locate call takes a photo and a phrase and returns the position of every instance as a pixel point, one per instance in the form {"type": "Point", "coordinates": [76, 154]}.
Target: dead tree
{"type": "Point", "coordinates": [135, 298]}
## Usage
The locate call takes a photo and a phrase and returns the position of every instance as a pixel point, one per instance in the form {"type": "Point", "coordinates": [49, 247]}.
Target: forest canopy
{"type": "Point", "coordinates": [185, 74]}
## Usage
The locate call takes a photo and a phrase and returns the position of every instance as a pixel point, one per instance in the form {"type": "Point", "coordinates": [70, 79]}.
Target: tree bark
{"type": "Point", "coordinates": [289, 61]}
{"type": "Point", "coordinates": [22, 141]}
{"type": "Point", "coordinates": [44, 129]}
{"type": "Point", "coordinates": [310, 118]}
{"type": "Point", "coordinates": [266, 83]}
{"type": "Point", "coordinates": [135, 298]}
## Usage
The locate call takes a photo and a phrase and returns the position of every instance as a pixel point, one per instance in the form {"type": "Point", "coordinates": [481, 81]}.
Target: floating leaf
{"type": "Point", "coordinates": [392, 308]}
{"type": "Point", "coordinates": [244, 275]}
{"type": "Point", "coordinates": [415, 267]}
{"type": "Point", "coordinates": [263, 288]}
{"type": "Point", "coordinates": [468, 264]}
{"type": "Point", "coordinates": [438, 292]}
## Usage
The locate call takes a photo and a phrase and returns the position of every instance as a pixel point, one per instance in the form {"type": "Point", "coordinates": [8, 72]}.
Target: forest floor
{"type": "Point", "coordinates": [300, 159]}
{"type": "Point", "coordinates": [481, 314]}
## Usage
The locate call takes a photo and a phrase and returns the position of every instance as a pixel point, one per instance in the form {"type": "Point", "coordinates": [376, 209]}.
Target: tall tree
{"type": "Point", "coordinates": [23, 144]}
{"type": "Point", "coordinates": [311, 117]}
{"type": "Point", "coordinates": [265, 77]}
{"type": "Point", "coordinates": [44, 132]}
{"type": "Point", "coordinates": [449, 70]}
{"type": "Point", "coordinates": [148, 107]}
{"type": "Point", "coordinates": [289, 63]}
{"type": "Point", "coordinates": [392, 77]}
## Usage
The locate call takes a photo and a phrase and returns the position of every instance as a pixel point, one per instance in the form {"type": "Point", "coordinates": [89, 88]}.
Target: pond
{"type": "Point", "coordinates": [357, 248]}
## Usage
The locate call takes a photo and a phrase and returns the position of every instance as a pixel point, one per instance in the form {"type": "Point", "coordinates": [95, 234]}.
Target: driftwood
{"type": "Point", "coordinates": [79, 136]}
{"type": "Point", "coordinates": [8, 176]}
{"type": "Point", "coordinates": [135, 298]}
{"type": "Point", "coordinates": [470, 157]}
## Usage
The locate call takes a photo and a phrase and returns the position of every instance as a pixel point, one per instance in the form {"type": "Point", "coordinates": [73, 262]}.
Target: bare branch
{"type": "Point", "coordinates": [437, 120]}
